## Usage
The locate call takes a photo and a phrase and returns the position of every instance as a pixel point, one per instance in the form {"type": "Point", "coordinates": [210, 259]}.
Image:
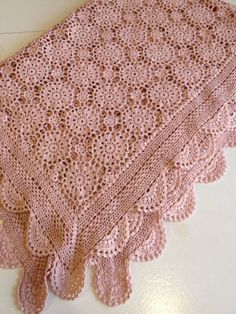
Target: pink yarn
{"type": "Point", "coordinates": [107, 121]}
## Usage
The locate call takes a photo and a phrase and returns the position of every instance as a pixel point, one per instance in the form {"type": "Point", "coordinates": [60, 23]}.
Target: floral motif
{"type": "Point", "coordinates": [160, 53]}
{"type": "Point", "coordinates": [55, 50]}
{"type": "Point", "coordinates": [107, 96]}
{"type": "Point", "coordinates": [199, 14]}
{"type": "Point", "coordinates": [57, 94]}
{"type": "Point", "coordinates": [84, 74]}
{"type": "Point", "coordinates": [189, 74]}
{"type": "Point", "coordinates": [110, 53]}
{"type": "Point", "coordinates": [110, 147]}
{"type": "Point", "coordinates": [211, 52]}
{"type": "Point", "coordinates": [32, 70]}
{"type": "Point", "coordinates": [166, 96]}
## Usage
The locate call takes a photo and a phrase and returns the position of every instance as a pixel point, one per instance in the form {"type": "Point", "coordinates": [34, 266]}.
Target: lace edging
{"type": "Point", "coordinates": [205, 163]}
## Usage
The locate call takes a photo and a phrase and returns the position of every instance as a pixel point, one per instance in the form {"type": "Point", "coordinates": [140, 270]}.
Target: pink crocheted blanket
{"type": "Point", "coordinates": [107, 121]}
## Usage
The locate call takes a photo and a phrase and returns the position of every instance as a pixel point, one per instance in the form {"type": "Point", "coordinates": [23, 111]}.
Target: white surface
{"type": "Point", "coordinates": [197, 270]}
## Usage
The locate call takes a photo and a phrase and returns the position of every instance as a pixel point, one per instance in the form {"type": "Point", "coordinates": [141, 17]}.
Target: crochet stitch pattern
{"type": "Point", "coordinates": [106, 123]}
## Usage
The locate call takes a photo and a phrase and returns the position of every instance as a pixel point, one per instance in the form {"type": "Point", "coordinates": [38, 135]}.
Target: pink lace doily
{"type": "Point", "coordinates": [106, 122]}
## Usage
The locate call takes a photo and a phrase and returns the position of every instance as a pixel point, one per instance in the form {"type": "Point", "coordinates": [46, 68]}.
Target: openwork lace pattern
{"type": "Point", "coordinates": [106, 122]}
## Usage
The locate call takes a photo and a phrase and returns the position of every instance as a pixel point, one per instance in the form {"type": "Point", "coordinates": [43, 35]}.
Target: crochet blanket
{"type": "Point", "coordinates": [106, 122]}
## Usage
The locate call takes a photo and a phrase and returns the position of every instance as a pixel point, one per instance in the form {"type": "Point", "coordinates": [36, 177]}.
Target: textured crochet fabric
{"type": "Point", "coordinates": [107, 121]}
